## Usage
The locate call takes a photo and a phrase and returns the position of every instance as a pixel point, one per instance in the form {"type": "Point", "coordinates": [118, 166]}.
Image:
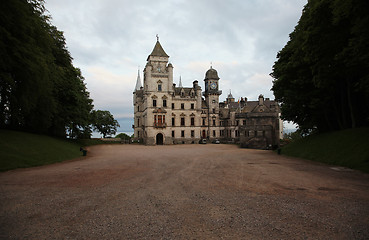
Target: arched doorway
{"type": "Point", "coordinates": [159, 139]}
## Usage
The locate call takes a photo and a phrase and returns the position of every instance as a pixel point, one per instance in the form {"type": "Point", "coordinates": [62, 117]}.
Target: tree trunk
{"type": "Point", "coordinates": [349, 103]}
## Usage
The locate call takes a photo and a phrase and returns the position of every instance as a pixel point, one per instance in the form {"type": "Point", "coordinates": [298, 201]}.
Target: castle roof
{"type": "Point", "coordinates": [158, 50]}
{"type": "Point", "coordinates": [211, 74]}
{"type": "Point", "coordinates": [138, 82]}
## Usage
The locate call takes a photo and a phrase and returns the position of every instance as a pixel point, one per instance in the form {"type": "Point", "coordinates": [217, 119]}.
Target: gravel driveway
{"type": "Point", "coordinates": [184, 192]}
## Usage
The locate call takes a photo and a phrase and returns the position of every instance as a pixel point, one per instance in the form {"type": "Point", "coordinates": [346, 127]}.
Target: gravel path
{"type": "Point", "coordinates": [184, 192]}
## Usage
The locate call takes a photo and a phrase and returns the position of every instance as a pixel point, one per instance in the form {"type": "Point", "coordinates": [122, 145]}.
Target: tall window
{"type": "Point", "coordinates": [182, 133]}
{"type": "Point", "coordinates": [192, 121]}
{"type": "Point", "coordinates": [244, 122]}
{"type": "Point", "coordinates": [164, 102]}
{"type": "Point", "coordinates": [213, 122]}
{"type": "Point", "coordinates": [138, 122]}
{"type": "Point", "coordinates": [172, 105]}
{"type": "Point", "coordinates": [173, 121]}
{"type": "Point", "coordinates": [214, 133]}
{"type": "Point", "coordinates": [182, 105]}
{"type": "Point", "coordinates": [203, 121]}
{"type": "Point", "coordinates": [192, 105]}
{"type": "Point", "coordinates": [213, 110]}
{"type": "Point", "coordinates": [159, 120]}
{"type": "Point", "coordinates": [192, 133]}
{"type": "Point", "coordinates": [172, 133]}
{"type": "Point", "coordinates": [159, 87]}
{"type": "Point", "coordinates": [182, 121]}
{"type": "Point", "coordinates": [154, 102]}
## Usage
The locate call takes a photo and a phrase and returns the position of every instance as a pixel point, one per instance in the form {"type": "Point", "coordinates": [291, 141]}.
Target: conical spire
{"type": "Point", "coordinates": [180, 82]}
{"type": "Point", "coordinates": [158, 50]}
{"type": "Point", "coordinates": [138, 83]}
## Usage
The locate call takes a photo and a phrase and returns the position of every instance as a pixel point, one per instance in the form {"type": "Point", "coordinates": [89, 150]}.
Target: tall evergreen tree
{"type": "Point", "coordinates": [321, 75]}
{"type": "Point", "coordinates": [40, 89]}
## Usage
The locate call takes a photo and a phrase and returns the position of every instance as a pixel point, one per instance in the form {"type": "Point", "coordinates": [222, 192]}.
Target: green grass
{"type": "Point", "coordinates": [20, 150]}
{"type": "Point", "coordinates": [348, 148]}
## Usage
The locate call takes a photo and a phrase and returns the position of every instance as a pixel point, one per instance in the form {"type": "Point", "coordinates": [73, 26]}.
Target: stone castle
{"type": "Point", "coordinates": [168, 114]}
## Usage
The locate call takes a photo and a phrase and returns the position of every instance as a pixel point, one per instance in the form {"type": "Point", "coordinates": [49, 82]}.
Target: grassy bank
{"type": "Point", "coordinates": [348, 148]}
{"type": "Point", "coordinates": [20, 150]}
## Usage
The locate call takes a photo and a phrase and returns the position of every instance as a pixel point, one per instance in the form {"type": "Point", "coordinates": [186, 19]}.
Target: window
{"type": "Point", "coordinates": [173, 121]}
{"type": "Point", "coordinates": [203, 121]}
{"type": "Point", "coordinates": [221, 123]}
{"type": "Point", "coordinates": [172, 133]}
{"type": "Point", "coordinates": [172, 105]}
{"type": "Point", "coordinates": [213, 122]}
{"type": "Point", "coordinates": [192, 121]}
{"type": "Point", "coordinates": [154, 102]}
{"type": "Point", "coordinates": [213, 110]}
{"type": "Point", "coordinates": [213, 133]}
{"type": "Point", "coordinates": [159, 120]}
{"type": "Point", "coordinates": [192, 133]}
{"type": "Point", "coordinates": [214, 101]}
{"type": "Point", "coordinates": [164, 102]}
{"type": "Point", "coordinates": [182, 121]}
{"type": "Point", "coordinates": [138, 108]}
{"type": "Point", "coordinates": [192, 105]}
{"type": "Point", "coordinates": [244, 122]}
{"type": "Point", "coordinates": [159, 87]}
{"type": "Point", "coordinates": [182, 133]}
{"type": "Point", "coordinates": [237, 123]}
{"type": "Point", "coordinates": [138, 122]}
{"type": "Point", "coordinates": [182, 105]}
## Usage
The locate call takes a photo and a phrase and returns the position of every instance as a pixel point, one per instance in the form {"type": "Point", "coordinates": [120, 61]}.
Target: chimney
{"type": "Point", "coordinates": [261, 99]}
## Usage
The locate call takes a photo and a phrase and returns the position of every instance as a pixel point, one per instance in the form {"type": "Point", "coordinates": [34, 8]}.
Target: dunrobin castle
{"type": "Point", "coordinates": [168, 114]}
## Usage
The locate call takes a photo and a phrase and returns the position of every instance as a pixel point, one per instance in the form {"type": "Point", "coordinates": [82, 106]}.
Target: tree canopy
{"type": "Point", "coordinates": [40, 89]}
{"type": "Point", "coordinates": [321, 76]}
{"type": "Point", "coordinates": [104, 122]}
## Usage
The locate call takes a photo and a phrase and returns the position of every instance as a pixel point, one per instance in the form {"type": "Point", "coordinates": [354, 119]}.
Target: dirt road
{"type": "Point", "coordinates": [184, 192]}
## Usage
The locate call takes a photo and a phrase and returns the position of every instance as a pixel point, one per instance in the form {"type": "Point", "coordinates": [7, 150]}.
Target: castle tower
{"type": "Point", "coordinates": [211, 95]}
{"type": "Point", "coordinates": [158, 89]}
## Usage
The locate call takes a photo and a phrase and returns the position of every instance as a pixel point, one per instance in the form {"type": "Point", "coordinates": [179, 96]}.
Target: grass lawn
{"type": "Point", "coordinates": [20, 150]}
{"type": "Point", "coordinates": [348, 148]}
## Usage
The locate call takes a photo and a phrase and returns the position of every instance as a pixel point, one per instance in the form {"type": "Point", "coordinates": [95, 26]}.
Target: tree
{"type": "Point", "coordinates": [104, 122]}
{"type": "Point", "coordinates": [40, 89]}
{"type": "Point", "coordinates": [123, 136]}
{"type": "Point", "coordinates": [321, 76]}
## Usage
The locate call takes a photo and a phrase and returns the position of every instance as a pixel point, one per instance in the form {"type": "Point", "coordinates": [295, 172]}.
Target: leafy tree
{"type": "Point", "coordinates": [40, 89]}
{"type": "Point", "coordinates": [123, 136]}
{"type": "Point", "coordinates": [104, 122]}
{"type": "Point", "coordinates": [321, 76]}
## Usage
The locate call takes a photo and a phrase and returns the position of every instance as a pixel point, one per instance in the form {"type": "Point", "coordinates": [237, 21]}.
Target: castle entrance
{"type": "Point", "coordinates": [159, 139]}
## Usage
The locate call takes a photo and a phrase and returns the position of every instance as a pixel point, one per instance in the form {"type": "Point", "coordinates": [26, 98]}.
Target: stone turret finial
{"type": "Point", "coordinates": [138, 82]}
{"type": "Point", "coordinates": [180, 82]}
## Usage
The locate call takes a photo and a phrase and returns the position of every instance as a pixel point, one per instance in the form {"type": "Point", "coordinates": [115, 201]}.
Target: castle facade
{"type": "Point", "coordinates": [168, 114]}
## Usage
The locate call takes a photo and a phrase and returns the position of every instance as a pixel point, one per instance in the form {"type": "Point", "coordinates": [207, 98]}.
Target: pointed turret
{"type": "Point", "coordinates": [180, 82]}
{"type": "Point", "coordinates": [158, 51]}
{"type": "Point", "coordinates": [138, 83]}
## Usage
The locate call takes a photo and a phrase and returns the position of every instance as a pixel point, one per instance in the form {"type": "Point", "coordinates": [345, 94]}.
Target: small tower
{"type": "Point", "coordinates": [211, 95]}
{"type": "Point", "coordinates": [180, 82]}
{"type": "Point", "coordinates": [138, 82]}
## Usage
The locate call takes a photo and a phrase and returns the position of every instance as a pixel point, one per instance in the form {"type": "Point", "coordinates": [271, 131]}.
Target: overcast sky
{"type": "Point", "coordinates": [110, 39]}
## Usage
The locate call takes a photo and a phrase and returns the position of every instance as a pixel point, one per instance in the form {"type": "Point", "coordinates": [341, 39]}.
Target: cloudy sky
{"type": "Point", "coordinates": [110, 39]}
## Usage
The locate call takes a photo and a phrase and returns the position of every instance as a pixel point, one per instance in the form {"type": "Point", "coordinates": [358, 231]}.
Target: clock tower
{"type": "Point", "coordinates": [211, 95]}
